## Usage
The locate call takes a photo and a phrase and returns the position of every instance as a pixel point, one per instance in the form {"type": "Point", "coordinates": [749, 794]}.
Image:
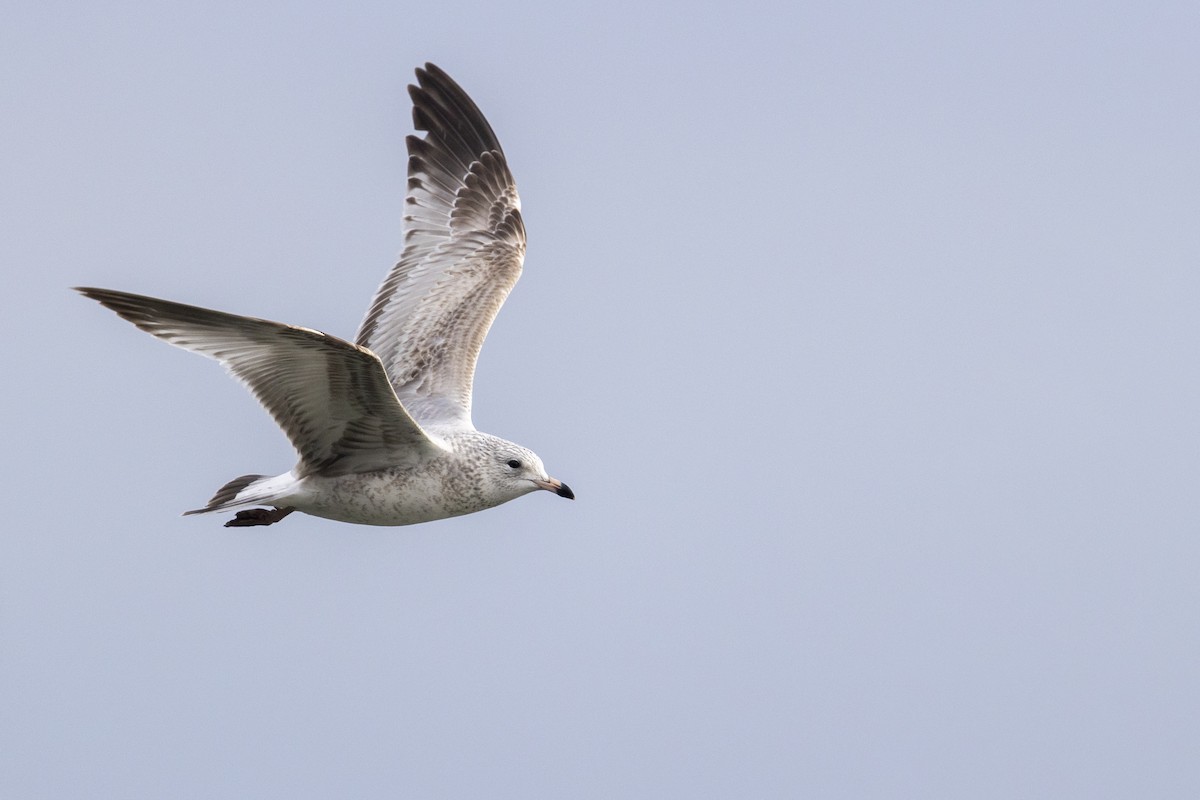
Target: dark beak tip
{"type": "Point", "coordinates": [565, 491]}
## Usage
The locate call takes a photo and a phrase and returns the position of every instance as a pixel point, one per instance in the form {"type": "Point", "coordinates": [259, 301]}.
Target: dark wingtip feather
{"type": "Point", "coordinates": [442, 107]}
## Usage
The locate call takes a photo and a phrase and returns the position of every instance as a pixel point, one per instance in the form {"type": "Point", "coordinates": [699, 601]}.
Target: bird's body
{"type": "Point", "coordinates": [460, 480]}
{"type": "Point", "coordinates": [383, 425]}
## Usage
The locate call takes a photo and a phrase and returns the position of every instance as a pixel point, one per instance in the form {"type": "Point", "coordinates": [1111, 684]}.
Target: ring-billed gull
{"type": "Point", "coordinates": [383, 426]}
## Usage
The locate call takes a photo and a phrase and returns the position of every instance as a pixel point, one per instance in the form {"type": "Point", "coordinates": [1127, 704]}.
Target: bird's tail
{"type": "Point", "coordinates": [247, 490]}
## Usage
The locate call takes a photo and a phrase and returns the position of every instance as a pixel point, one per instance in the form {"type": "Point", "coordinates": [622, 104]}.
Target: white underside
{"type": "Point", "coordinates": [385, 497]}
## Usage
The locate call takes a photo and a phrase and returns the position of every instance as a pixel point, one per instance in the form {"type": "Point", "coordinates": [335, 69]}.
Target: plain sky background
{"type": "Point", "coordinates": [866, 333]}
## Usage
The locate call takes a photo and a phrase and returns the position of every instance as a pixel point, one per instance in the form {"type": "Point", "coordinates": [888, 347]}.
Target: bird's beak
{"type": "Point", "coordinates": [556, 486]}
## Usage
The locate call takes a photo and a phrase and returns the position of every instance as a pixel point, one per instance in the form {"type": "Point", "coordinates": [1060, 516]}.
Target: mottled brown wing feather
{"type": "Point", "coordinates": [464, 244]}
{"type": "Point", "coordinates": [331, 398]}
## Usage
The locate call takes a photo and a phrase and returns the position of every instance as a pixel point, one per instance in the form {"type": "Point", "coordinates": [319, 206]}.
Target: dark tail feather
{"type": "Point", "coordinates": [226, 494]}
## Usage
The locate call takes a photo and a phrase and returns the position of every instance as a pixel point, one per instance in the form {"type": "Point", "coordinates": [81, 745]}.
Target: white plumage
{"type": "Point", "coordinates": [383, 426]}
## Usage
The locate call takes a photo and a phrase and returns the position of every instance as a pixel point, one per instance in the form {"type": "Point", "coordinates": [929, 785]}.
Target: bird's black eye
{"type": "Point", "coordinates": [512, 462]}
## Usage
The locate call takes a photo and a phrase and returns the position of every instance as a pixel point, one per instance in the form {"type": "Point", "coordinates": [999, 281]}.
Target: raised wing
{"type": "Point", "coordinates": [331, 398]}
{"type": "Point", "coordinates": [464, 243]}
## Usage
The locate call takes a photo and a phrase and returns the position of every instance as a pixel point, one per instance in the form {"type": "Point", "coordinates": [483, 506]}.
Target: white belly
{"type": "Point", "coordinates": [389, 497]}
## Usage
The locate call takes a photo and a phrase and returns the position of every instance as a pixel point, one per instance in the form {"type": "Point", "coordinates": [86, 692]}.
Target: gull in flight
{"type": "Point", "coordinates": [383, 426]}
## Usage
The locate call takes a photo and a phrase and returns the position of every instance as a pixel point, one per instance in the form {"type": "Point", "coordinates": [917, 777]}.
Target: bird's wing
{"type": "Point", "coordinates": [331, 398]}
{"type": "Point", "coordinates": [464, 243]}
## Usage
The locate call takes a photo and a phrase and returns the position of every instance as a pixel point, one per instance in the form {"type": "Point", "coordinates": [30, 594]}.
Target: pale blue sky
{"type": "Point", "coordinates": [866, 333]}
